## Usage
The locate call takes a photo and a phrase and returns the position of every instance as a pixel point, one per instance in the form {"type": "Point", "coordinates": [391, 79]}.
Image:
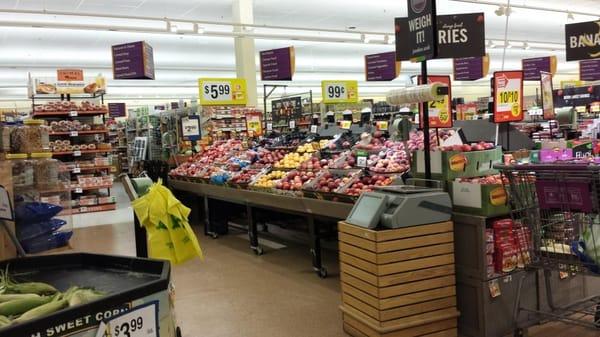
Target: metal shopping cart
{"type": "Point", "coordinates": [559, 204]}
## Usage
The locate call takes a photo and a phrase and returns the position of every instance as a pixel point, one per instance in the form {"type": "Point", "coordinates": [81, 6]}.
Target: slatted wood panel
{"type": "Point", "coordinates": [398, 283]}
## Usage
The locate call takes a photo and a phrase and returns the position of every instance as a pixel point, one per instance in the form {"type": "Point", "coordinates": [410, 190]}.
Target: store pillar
{"type": "Point", "coordinates": [244, 48]}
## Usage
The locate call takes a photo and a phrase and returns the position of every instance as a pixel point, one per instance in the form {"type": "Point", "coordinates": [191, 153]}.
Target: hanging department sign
{"type": "Point", "coordinates": [440, 112]}
{"type": "Point", "coordinates": [470, 68]}
{"type": "Point", "coordinates": [421, 29]}
{"type": "Point", "coordinates": [339, 92]}
{"type": "Point", "coordinates": [133, 61]}
{"type": "Point", "coordinates": [381, 67]}
{"type": "Point", "coordinates": [582, 40]}
{"type": "Point", "coordinates": [508, 96]}
{"type": "Point", "coordinates": [589, 70]}
{"type": "Point", "coordinates": [532, 67]}
{"type": "Point", "coordinates": [222, 91]}
{"type": "Point", "coordinates": [277, 64]}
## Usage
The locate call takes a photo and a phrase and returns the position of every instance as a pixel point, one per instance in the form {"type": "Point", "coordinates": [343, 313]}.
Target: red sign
{"type": "Point", "coordinates": [69, 75]}
{"type": "Point", "coordinates": [508, 96]}
{"type": "Point", "coordinates": [440, 112]}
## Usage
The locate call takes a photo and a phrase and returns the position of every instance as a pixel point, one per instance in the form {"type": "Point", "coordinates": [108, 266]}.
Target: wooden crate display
{"type": "Point", "coordinates": [400, 282]}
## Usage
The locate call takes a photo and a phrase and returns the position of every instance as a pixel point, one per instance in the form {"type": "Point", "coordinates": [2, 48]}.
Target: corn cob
{"type": "Point", "coordinates": [10, 297]}
{"type": "Point", "coordinates": [4, 321]}
{"type": "Point", "coordinates": [17, 307]}
{"type": "Point", "coordinates": [57, 304]}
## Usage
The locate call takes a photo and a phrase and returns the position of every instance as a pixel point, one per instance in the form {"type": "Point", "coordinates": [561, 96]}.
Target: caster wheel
{"type": "Point", "coordinates": [178, 332]}
{"type": "Point", "coordinates": [258, 251]}
{"type": "Point", "coordinates": [322, 272]}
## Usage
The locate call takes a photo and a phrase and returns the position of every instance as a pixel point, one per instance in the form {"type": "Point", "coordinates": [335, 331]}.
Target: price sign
{"type": "Point", "coordinates": [139, 322]}
{"type": "Point", "coordinates": [222, 91]}
{"type": "Point", "coordinates": [361, 158]}
{"type": "Point", "coordinates": [314, 128]}
{"type": "Point", "coordinates": [74, 133]}
{"type": "Point", "coordinates": [292, 124]}
{"type": "Point", "coordinates": [83, 209]}
{"type": "Point", "coordinates": [77, 170]}
{"type": "Point", "coordinates": [269, 126]}
{"type": "Point", "coordinates": [339, 91]}
{"type": "Point", "coordinates": [73, 113]}
{"type": "Point", "coordinates": [440, 112]}
{"type": "Point", "coordinates": [345, 125]}
{"type": "Point", "coordinates": [381, 125]}
{"type": "Point", "coordinates": [508, 96]}
{"type": "Point", "coordinates": [78, 190]}
{"type": "Point", "coordinates": [77, 153]}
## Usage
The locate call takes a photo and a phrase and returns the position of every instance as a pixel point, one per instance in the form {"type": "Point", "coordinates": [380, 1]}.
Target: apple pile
{"type": "Point", "coordinates": [270, 157]}
{"type": "Point", "coordinates": [417, 140]}
{"type": "Point", "coordinates": [186, 169]}
{"type": "Point", "coordinates": [329, 182]}
{"type": "Point", "coordinates": [495, 179]}
{"type": "Point", "coordinates": [244, 177]}
{"type": "Point", "coordinates": [346, 161]}
{"type": "Point", "coordinates": [344, 142]}
{"type": "Point", "coordinates": [468, 148]}
{"type": "Point", "coordinates": [294, 180]}
{"type": "Point", "coordinates": [367, 184]}
{"type": "Point", "coordinates": [370, 143]}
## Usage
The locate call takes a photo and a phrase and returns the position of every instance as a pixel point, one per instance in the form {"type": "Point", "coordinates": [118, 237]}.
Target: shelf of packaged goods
{"type": "Point", "coordinates": [67, 153]}
{"type": "Point", "coordinates": [89, 209]}
{"type": "Point", "coordinates": [75, 189]}
{"type": "Point", "coordinates": [69, 113]}
{"type": "Point", "coordinates": [217, 117]}
{"type": "Point", "coordinates": [78, 133]}
{"type": "Point", "coordinates": [89, 169]}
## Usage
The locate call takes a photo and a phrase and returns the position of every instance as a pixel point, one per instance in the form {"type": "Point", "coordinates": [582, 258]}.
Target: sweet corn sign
{"type": "Point", "coordinates": [222, 91]}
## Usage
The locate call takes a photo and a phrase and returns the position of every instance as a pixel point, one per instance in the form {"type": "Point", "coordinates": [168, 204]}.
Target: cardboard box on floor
{"type": "Point", "coordinates": [7, 248]}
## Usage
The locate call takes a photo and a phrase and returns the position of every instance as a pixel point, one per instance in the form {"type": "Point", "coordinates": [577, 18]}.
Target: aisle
{"type": "Point", "coordinates": [123, 215]}
{"type": "Point", "coordinates": [234, 293]}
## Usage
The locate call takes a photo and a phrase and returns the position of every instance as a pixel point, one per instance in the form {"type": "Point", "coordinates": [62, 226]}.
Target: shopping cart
{"type": "Point", "coordinates": [560, 205]}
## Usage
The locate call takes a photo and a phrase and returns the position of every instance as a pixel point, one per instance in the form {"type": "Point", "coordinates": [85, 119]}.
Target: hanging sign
{"type": "Point", "coordinates": [222, 91]}
{"type": "Point", "coordinates": [422, 40]}
{"type": "Point", "coordinates": [508, 96]}
{"type": "Point", "coordinates": [582, 40]}
{"type": "Point", "coordinates": [576, 96]}
{"type": "Point", "coordinates": [339, 92]}
{"type": "Point", "coordinates": [277, 64]}
{"type": "Point", "coordinates": [547, 96]}
{"type": "Point", "coordinates": [117, 109]}
{"type": "Point", "coordinates": [286, 108]}
{"type": "Point", "coordinates": [471, 68]}
{"type": "Point", "coordinates": [190, 127]}
{"type": "Point", "coordinates": [460, 35]}
{"type": "Point", "coordinates": [440, 112]}
{"type": "Point", "coordinates": [133, 61]}
{"type": "Point", "coordinates": [533, 66]}
{"type": "Point", "coordinates": [254, 123]}
{"type": "Point", "coordinates": [381, 67]}
{"type": "Point", "coordinates": [589, 70]}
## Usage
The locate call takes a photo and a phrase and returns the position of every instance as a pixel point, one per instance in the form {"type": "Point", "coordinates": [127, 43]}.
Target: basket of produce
{"type": "Point", "coordinates": [292, 161]}
{"type": "Point", "coordinates": [267, 181]}
{"type": "Point", "coordinates": [72, 294]}
{"type": "Point", "coordinates": [366, 183]}
{"type": "Point", "coordinates": [292, 183]}
{"type": "Point", "coordinates": [327, 182]}
{"type": "Point", "coordinates": [245, 177]}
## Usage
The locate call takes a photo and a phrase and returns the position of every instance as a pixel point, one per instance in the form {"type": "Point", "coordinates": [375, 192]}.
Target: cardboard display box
{"type": "Point", "coordinates": [453, 164]}
{"type": "Point", "coordinates": [478, 199]}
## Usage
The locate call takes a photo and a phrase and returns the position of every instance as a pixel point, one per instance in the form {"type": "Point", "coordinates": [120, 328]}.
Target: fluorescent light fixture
{"type": "Point", "coordinates": [570, 16]}
{"type": "Point", "coordinates": [364, 38]}
{"type": "Point", "coordinates": [508, 45]}
{"type": "Point", "coordinates": [526, 46]}
{"type": "Point", "coordinates": [198, 29]}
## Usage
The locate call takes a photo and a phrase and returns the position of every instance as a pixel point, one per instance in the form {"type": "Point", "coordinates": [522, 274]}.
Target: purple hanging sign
{"type": "Point", "coordinates": [533, 66]}
{"type": "Point", "coordinates": [589, 70]}
{"type": "Point", "coordinates": [277, 64]}
{"type": "Point", "coordinates": [381, 67]}
{"type": "Point", "coordinates": [133, 61]}
{"type": "Point", "coordinates": [468, 68]}
{"type": "Point", "coordinates": [117, 110]}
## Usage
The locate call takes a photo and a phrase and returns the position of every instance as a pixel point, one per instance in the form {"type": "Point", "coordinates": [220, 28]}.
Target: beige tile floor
{"type": "Point", "coordinates": [234, 293]}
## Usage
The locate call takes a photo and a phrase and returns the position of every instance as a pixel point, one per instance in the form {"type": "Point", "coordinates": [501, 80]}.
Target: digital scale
{"type": "Point", "coordinates": [400, 206]}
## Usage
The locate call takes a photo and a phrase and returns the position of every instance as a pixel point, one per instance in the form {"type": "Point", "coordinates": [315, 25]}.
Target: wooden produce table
{"type": "Point", "coordinates": [398, 282]}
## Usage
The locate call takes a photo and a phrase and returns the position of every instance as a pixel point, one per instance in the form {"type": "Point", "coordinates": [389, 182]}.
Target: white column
{"type": "Point", "coordinates": [245, 64]}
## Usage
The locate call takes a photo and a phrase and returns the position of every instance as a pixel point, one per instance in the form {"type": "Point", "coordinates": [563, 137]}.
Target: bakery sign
{"type": "Point", "coordinates": [69, 81]}
{"type": "Point", "coordinates": [582, 40]}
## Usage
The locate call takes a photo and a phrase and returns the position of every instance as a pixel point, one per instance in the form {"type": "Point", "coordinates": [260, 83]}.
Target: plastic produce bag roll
{"type": "Point", "coordinates": [416, 94]}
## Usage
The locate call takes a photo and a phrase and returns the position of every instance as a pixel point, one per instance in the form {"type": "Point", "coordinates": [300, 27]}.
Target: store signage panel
{"type": "Point", "coordinates": [277, 64]}
{"type": "Point", "coordinates": [508, 96]}
{"type": "Point", "coordinates": [440, 112]}
{"type": "Point", "coordinates": [254, 123]}
{"type": "Point", "coordinates": [533, 66]}
{"type": "Point", "coordinates": [589, 70]}
{"type": "Point", "coordinates": [381, 67]}
{"type": "Point", "coordinates": [286, 109]}
{"type": "Point", "coordinates": [582, 40]}
{"type": "Point", "coordinates": [339, 92]}
{"type": "Point", "coordinates": [576, 96]}
{"type": "Point", "coordinates": [69, 75]}
{"type": "Point", "coordinates": [190, 127]}
{"type": "Point", "coordinates": [133, 61]}
{"type": "Point", "coordinates": [421, 29]}
{"type": "Point", "coordinates": [222, 91]}
{"type": "Point", "coordinates": [470, 68]}
{"type": "Point", "coordinates": [547, 96]}
{"type": "Point", "coordinates": [117, 110]}
{"type": "Point", "coordinates": [461, 35]}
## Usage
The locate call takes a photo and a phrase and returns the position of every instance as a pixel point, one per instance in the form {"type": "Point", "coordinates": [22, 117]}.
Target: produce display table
{"type": "Point", "coordinates": [307, 207]}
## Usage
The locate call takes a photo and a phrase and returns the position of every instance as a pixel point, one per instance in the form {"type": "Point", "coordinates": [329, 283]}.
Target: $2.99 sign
{"type": "Point", "coordinates": [508, 96]}
{"type": "Point", "coordinates": [339, 91]}
{"type": "Point", "coordinates": [222, 91]}
{"type": "Point", "coordinates": [440, 112]}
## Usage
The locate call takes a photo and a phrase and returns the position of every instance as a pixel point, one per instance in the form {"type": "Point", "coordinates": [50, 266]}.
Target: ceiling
{"type": "Point", "coordinates": [181, 59]}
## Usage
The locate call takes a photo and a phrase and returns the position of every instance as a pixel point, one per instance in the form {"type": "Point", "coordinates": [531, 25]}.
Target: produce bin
{"type": "Point", "coordinates": [453, 164]}
{"type": "Point", "coordinates": [479, 199]}
{"type": "Point", "coordinates": [136, 288]}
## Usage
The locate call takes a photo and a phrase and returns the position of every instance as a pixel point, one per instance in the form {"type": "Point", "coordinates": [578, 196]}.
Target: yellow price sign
{"type": "Point", "coordinates": [382, 125]}
{"type": "Point", "coordinates": [345, 124]}
{"type": "Point", "coordinates": [222, 91]}
{"type": "Point", "coordinates": [508, 101]}
{"type": "Point", "coordinates": [339, 92]}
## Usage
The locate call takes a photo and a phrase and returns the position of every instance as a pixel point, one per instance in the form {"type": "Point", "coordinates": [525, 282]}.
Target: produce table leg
{"type": "Point", "coordinates": [253, 231]}
{"type": "Point", "coordinates": [315, 247]}
{"type": "Point", "coordinates": [207, 222]}
{"type": "Point", "coordinates": [141, 243]}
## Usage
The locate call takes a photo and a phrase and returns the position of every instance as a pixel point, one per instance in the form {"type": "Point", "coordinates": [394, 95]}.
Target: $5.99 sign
{"type": "Point", "coordinates": [139, 322]}
{"type": "Point", "coordinates": [508, 96]}
{"type": "Point", "coordinates": [339, 91]}
{"type": "Point", "coordinates": [440, 112]}
{"type": "Point", "coordinates": [222, 91]}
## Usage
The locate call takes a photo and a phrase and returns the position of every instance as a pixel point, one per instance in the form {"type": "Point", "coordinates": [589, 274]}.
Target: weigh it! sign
{"type": "Point", "coordinates": [508, 96]}
{"type": "Point", "coordinates": [440, 112]}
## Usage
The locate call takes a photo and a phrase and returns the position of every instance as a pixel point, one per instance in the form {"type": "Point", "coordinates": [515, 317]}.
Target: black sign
{"type": "Point", "coordinates": [286, 109]}
{"type": "Point", "coordinates": [582, 40]}
{"type": "Point", "coordinates": [577, 96]}
{"type": "Point", "coordinates": [460, 35]}
{"type": "Point", "coordinates": [421, 29]}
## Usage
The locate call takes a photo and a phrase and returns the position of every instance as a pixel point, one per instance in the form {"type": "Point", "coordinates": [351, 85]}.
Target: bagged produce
{"type": "Point", "coordinates": [46, 242]}
{"type": "Point", "coordinates": [29, 230]}
{"type": "Point", "coordinates": [36, 212]}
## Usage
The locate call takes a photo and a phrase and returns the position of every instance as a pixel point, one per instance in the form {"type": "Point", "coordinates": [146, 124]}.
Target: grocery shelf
{"type": "Point", "coordinates": [86, 188]}
{"type": "Point", "coordinates": [66, 153]}
{"type": "Point", "coordinates": [68, 113]}
{"type": "Point", "coordinates": [93, 168]}
{"type": "Point", "coordinates": [89, 209]}
{"type": "Point", "coordinates": [79, 133]}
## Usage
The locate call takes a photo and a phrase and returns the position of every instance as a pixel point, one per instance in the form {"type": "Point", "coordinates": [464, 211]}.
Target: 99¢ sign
{"type": "Point", "coordinates": [440, 112]}
{"type": "Point", "coordinates": [222, 91]}
{"type": "Point", "coordinates": [339, 91]}
{"type": "Point", "coordinates": [508, 96]}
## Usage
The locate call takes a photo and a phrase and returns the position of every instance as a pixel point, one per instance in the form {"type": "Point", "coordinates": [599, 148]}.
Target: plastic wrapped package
{"type": "Point", "coordinates": [46, 170]}
{"type": "Point", "coordinates": [47, 242]}
{"type": "Point", "coordinates": [22, 170]}
{"type": "Point", "coordinates": [33, 136]}
{"type": "Point", "coordinates": [31, 230]}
